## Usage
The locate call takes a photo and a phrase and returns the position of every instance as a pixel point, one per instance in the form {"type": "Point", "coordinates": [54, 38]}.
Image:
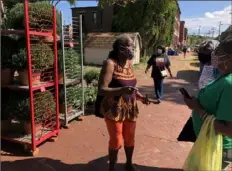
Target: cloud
{"type": "Point", "coordinates": [210, 20]}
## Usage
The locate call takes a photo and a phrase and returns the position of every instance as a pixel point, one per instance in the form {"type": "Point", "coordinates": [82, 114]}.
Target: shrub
{"type": "Point", "coordinates": [90, 95]}
{"type": "Point", "coordinates": [72, 63]}
{"type": "Point", "coordinates": [40, 15]}
{"type": "Point", "coordinates": [91, 75]}
{"type": "Point", "coordinates": [41, 55]}
{"type": "Point", "coordinates": [144, 59]}
{"type": "Point", "coordinates": [20, 106]}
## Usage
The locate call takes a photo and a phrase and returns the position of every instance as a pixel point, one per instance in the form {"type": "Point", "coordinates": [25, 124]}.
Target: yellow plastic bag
{"type": "Point", "coordinates": [206, 153]}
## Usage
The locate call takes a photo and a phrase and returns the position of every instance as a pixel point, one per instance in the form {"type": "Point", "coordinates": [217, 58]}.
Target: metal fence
{"type": "Point", "coordinates": [71, 89]}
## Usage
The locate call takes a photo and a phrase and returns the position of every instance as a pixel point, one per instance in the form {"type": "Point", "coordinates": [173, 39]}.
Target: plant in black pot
{"type": "Point", "coordinates": [8, 45]}
{"type": "Point", "coordinates": [41, 57]}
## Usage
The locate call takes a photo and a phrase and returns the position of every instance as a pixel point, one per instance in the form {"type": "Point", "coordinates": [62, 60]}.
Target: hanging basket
{"type": "Point", "coordinates": [7, 76]}
{"type": "Point", "coordinates": [23, 77]}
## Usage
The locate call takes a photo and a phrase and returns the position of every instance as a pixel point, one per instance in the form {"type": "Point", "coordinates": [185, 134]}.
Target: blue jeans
{"type": "Point", "coordinates": [158, 85]}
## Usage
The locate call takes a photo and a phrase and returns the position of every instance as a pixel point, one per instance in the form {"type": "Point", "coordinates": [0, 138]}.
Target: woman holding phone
{"type": "Point", "coordinates": [216, 99]}
{"type": "Point", "coordinates": [117, 86]}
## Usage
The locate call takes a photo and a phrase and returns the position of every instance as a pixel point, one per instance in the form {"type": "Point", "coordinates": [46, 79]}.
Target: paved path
{"type": "Point", "coordinates": [83, 147]}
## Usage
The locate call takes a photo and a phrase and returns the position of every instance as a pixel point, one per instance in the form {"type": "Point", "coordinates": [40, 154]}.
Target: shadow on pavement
{"type": "Point", "coordinates": [190, 76]}
{"type": "Point", "coordinates": [195, 64]}
{"type": "Point", "coordinates": [47, 164]}
{"type": "Point", "coordinates": [171, 91]}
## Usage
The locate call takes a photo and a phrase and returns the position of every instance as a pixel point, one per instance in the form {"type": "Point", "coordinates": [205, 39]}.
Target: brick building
{"type": "Point", "coordinates": [176, 34]}
{"type": "Point", "coordinates": [95, 19]}
{"type": "Point", "coordinates": [182, 32]}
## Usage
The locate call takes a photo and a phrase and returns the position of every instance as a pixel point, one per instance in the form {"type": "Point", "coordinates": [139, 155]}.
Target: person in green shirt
{"type": "Point", "coordinates": [216, 99]}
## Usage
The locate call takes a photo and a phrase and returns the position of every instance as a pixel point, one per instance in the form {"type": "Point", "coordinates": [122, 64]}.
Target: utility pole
{"type": "Point", "coordinates": [213, 30]}
{"type": "Point", "coordinates": [219, 30]}
{"type": "Point", "coordinates": [199, 30]}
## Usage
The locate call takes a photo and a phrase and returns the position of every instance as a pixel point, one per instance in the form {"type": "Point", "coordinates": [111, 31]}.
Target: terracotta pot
{"type": "Point", "coordinates": [7, 76]}
{"type": "Point", "coordinates": [27, 127]}
{"type": "Point", "coordinates": [5, 126]}
{"type": "Point", "coordinates": [23, 77]}
{"type": "Point", "coordinates": [62, 108]}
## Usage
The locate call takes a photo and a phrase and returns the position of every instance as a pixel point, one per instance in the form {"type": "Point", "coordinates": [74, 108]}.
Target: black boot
{"type": "Point", "coordinates": [129, 154]}
{"type": "Point", "coordinates": [113, 156]}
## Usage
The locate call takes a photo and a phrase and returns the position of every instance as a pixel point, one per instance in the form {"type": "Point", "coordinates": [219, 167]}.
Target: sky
{"type": "Point", "coordinates": [196, 14]}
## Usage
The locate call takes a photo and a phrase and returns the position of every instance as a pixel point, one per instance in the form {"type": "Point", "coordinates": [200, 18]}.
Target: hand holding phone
{"type": "Point", "coordinates": [185, 93]}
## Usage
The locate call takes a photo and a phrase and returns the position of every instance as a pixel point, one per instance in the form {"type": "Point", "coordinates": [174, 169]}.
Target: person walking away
{"type": "Point", "coordinates": [185, 51]}
{"type": "Point", "coordinates": [159, 63]}
{"type": "Point", "coordinates": [117, 86]}
{"type": "Point", "coordinates": [204, 52]}
{"type": "Point", "coordinates": [216, 99]}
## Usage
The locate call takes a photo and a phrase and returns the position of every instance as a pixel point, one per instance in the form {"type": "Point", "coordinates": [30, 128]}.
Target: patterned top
{"type": "Point", "coordinates": [124, 107]}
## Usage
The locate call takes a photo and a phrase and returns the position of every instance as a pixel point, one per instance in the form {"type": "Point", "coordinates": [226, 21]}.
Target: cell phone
{"type": "Point", "coordinates": [184, 93]}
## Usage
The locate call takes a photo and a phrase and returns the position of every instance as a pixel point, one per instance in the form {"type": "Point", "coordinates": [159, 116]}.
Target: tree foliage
{"type": "Point", "coordinates": [153, 19]}
{"type": "Point", "coordinates": [195, 39]}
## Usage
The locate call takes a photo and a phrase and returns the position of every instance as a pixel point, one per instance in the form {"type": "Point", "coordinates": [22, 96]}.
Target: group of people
{"type": "Point", "coordinates": [119, 96]}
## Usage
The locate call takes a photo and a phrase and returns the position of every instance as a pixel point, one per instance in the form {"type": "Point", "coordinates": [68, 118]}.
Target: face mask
{"type": "Point", "coordinates": [159, 51]}
{"type": "Point", "coordinates": [127, 53]}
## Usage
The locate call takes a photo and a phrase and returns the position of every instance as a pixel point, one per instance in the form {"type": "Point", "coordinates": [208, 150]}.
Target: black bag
{"type": "Point", "coordinates": [97, 106]}
{"type": "Point", "coordinates": [187, 134]}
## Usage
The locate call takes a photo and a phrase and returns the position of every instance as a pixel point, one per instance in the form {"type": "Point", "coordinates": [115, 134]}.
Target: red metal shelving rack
{"type": "Point", "coordinates": [50, 120]}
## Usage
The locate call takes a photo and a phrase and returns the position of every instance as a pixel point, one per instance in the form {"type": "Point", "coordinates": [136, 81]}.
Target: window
{"type": "Point", "coordinates": [94, 17]}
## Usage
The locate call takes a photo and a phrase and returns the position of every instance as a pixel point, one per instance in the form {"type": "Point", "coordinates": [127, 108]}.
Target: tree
{"type": "Point", "coordinates": [10, 3]}
{"type": "Point", "coordinates": [153, 19]}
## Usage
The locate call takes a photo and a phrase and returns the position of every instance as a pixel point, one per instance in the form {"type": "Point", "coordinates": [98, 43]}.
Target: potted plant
{"type": "Point", "coordinates": [90, 98]}
{"type": "Point", "coordinates": [43, 109]}
{"type": "Point", "coordinates": [7, 50]}
{"type": "Point", "coordinates": [72, 64]}
{"type": "Point", "coordinates": [40, 17]}
{"type": "Point", "coordinates": [41, 57]}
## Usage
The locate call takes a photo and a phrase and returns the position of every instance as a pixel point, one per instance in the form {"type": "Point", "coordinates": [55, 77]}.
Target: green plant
{"type": "Point", "coordinates": [41, 55]}
{"type": "Point", "coordinates": [40, 16]}
{"type": "Point", "coordinates": [144, 59]}
{"type": "Point", "coordinates": [72, 63]}
{"type": "Point", "coordinates": [90, 95]}
{"type": "Point", "coordinates": [45, 108]}
{"type": "Point", "coordinates": [73, 96]}
{"type": "Point", "coordinates": [91, 75]}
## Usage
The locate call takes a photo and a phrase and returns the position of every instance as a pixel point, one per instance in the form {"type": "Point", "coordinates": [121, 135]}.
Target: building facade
{"type": "Point", "coordinates": [176, 34]}
{"type": "Point", "coordinates": [95, 19]}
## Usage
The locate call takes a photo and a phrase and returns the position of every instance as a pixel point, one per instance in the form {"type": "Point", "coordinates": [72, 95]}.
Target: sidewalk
{"type": "Point", "coordinates": [83, 147]}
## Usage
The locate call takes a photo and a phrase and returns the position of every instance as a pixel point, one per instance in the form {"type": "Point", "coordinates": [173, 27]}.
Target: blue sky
{"type": "Point", "coordinates": [206, 14]}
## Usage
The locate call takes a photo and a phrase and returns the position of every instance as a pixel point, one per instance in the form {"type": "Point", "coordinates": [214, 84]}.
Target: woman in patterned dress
{"type": "Point", "coordinates": [117, 84]}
